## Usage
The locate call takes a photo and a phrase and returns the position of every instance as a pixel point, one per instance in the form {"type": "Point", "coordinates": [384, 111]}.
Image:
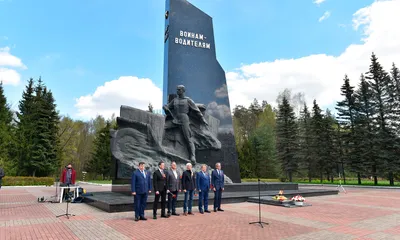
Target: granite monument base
{"type": "Point", "coordinates": [120, 201]}
{"type": "Point", "coordinates": [268, 200]}
{"type": "Point", "coordinates": [123, 186]}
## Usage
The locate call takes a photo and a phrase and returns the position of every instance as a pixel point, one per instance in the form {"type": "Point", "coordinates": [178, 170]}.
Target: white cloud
{"type": "Point", "coordinates": [320, 76]}
{"type": "Point", "coordinates": [326, 15]}
{"type": "Point", "coordinates": [8, 61]}
{"type": "Point", "coordinates": [9, 76]}
{"type": "Point", "coordinates": [318, 2]}
{"type": "Point", "coordinates": [127, 90]}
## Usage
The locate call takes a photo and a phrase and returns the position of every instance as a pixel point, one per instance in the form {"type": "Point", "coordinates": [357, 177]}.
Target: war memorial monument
{"type": "Point", "coordinates": [196, 126]}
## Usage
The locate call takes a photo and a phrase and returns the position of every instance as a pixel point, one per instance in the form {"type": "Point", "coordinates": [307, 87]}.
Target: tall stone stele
{"type": "Point", "coordinates": [190, 60]}
{"type": "Point", "coordinates": [197, 125]}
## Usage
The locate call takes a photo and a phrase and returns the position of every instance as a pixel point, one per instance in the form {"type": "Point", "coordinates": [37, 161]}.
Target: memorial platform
{"type": "Point", "coordinates": [234, 193]}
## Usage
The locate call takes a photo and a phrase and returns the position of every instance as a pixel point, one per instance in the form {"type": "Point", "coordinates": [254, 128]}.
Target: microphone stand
{"type": "Point", "coordinates": [68, 201]}
{"type": "Point", "coordinates": [261, 223]}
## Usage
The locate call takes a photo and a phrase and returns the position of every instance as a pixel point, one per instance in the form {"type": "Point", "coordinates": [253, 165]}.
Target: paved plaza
{"type": "Point", "coordinates": [359, 214]}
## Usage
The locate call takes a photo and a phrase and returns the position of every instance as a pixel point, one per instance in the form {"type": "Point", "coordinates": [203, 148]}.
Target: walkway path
{"type": "Point", "coordinates": [359, 214]}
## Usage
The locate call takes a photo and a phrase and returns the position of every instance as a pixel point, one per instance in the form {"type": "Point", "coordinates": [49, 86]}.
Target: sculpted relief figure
{"type": "Point", "coordinates": [146, 137]}
{"type": "Point", "coordinates": [179, 109]}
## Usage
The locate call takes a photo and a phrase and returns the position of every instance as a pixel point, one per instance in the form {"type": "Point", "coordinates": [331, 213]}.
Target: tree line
{"type": "Point", "coordinates": [36, 141]}
{"type": "Point", "coordinates": [297, 141]}
{"type": "Point", "coordinates": [289, 141]}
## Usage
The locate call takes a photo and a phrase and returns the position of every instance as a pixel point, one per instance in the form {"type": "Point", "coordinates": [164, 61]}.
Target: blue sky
{"type": "Point", "coordinates": [77, 46]}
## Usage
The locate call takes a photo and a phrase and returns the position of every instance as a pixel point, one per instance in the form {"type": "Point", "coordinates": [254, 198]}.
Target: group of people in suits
{"type": "Point", "coordinates": [171, 182]}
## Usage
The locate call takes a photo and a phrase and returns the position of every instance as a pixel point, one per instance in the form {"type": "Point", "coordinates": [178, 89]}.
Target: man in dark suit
{"type": "Point", "coordinates": [203, 186]}
{"type": "Point", "coordinates": [217, 181]}
{"type": "Point", "coordinates": [140, 186]}
{"type": "Point", "coordinates": [174, 187]}
{"type": "Point", "coordinates": [160, 189]}
{"type": "Point", "coordinates": [188, 187]}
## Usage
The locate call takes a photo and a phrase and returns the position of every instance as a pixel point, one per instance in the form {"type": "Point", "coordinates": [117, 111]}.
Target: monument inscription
{"type": "Point", "coordinates": [192, 39]}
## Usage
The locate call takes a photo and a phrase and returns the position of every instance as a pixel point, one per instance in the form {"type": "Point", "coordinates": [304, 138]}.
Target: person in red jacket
{"type": "Point", "coordinates": [68, 175]}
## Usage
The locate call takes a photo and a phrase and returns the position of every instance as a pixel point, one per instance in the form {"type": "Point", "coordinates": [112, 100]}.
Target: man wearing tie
{"type": "Point", "coordinates": [174, 187]}
{"type": "Point", "coordinates": [217, 181]}
{"type": "Point", "coordinates": [160, 189]}
{"type": "Point", "coordinates": [203, 185]}
{"type": "Point", "coordinates": [140, 186]}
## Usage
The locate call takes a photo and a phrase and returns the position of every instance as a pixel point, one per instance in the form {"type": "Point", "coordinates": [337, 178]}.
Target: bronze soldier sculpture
{"type": "Point", "coordinates": [179, 109]}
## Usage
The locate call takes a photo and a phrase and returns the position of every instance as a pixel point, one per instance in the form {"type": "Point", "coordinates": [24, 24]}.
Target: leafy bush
{"type": "Point", "coordinates": [27, 181]}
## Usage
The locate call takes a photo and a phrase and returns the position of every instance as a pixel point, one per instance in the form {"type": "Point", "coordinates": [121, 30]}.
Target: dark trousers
{"type": "Point", "coordinates": [140, 201]}
{"type": "Point", "coordinates": [172, 202]}
{"type": "Point", "coordinates": [203, 199]}
{"type": "Point", "coordinates": [162, 195]}
{"type": "Point", "coordinates": [217, 198]}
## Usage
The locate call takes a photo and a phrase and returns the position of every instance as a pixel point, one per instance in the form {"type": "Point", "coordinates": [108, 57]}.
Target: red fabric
{"type": "Point", "coordinates": [63, 178]}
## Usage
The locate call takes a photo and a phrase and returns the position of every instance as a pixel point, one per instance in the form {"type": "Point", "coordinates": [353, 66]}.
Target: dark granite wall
{"type": "Point", "coordinates": [190, 59]}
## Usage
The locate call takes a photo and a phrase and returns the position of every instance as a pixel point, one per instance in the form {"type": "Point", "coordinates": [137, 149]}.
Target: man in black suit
{"type": "Point", "coordinates": [188, 186]}
{"type": "Point", "coordinates": [160, 189]}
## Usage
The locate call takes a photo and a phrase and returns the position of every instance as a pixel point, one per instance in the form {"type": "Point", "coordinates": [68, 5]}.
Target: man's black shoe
{"type": "Point", "coordinates": [221, 210]}
{"type": "Point", "coordinates": [143, 218]}
{"type": "Point", "coordinates": [175, 214]}
{"type": "Point", "coordinates": [164, 216]}
{"type": "Point", "coordinates": [207, 211]}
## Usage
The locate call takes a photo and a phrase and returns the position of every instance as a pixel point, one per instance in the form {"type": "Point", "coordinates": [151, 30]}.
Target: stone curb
{"type": "Point", "coordinates": [25, 186]}
{"type": "Point", "coordinates": [97, 184]}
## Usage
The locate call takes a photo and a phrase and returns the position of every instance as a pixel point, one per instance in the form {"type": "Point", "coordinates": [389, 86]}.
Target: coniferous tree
{"type": "Point", "coordinates": [6, 137]}
{"type": "Point", "coordinates": [305, 142]}
{"type": "Point", "coordinates": [330, 145]}
{"type": "Point", "coordinates": [393, 165]}
{"type": "Point", "coordinates": [366, 143]}
{"type": "Point", "coordinates": [346, 116]}
{"type": "Point", "coordinates": [25, 129]}
{"type": "Point", "coordinates": [382, 95]}
{"type": "Point", "coordinates": [286, 134]}
{"type": "Point", "coordinates": [395, 74]}
{"type": "Point", "coordinates": [317, 126]}
{"type": "Point", "coordinates": [37, 130]}
{"type": "Point", "coordinates": [53, 120]}
{"type": "Point", "coordinates": [40, 138]}
{"type": "Point", "coordinates": [341, 157]}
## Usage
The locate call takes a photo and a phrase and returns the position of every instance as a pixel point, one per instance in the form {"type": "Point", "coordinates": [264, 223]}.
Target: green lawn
{"type": "Point", "coordinates": [364, 182]}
